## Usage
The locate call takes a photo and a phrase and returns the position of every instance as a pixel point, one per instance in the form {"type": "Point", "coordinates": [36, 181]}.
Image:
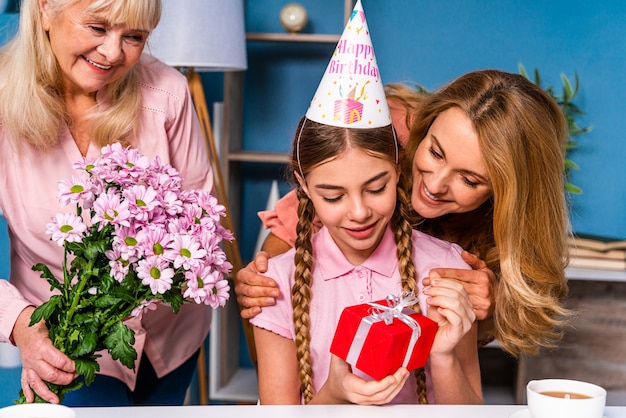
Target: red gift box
{"type": "Point", "coordinates": [378, 338]}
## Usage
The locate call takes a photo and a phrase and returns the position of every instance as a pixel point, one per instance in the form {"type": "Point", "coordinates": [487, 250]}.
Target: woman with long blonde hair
{"type": "Point", "coordinates": [495, 186]}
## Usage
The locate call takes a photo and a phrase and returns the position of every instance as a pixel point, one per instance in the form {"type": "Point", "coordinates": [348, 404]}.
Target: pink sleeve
{"type": "Point", "coordinates": [278, 318]}
{"type": "Point", "coordinates": [283, 219]}
{"type": "Point", "coordinates": [188, 149]}
{"type": "Point", "coordinates": [11, 304]}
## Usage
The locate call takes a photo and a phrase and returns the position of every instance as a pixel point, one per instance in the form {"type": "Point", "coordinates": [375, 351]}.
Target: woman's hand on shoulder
{"type": "Point", "coordinates": [343, 386]}
{"type": "Point", "coordinates": [479, 283]}
{"type": "Point", "coordinates": [41, 361]}
{"type": "Point", "coordinates": [253, 289]}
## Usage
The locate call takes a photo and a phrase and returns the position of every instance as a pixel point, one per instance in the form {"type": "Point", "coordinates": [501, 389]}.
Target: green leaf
{"type": "Point", "coordinates": [568, 93]}
{"type": "Point", "coordinates": [573, 189]}
{"type": "Point", "coordinates": [47, 274]}
{"type": "Point", "coordinates": [46, 310]}
{"type": "Point", "coordinates": [107, 300]}
{"type": "Point", "coordinates": [522, 70]}
{"type": "Point", "coordinates": [87, 367]}
{"type": "Point", "coordinates": [570, 111]}
{"type": "Point", "coordinates": [120, 342]}
{"type": "Point", "coordinates": [88, 344]}
{"type": "Point", "coordinates": [174, 299]}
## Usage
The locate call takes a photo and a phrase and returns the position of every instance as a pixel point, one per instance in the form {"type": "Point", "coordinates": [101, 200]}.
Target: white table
{"type": "Point", "coordinates": [321, 411]}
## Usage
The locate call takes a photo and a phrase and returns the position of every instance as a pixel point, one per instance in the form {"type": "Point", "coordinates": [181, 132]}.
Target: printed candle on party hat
{"type": "Point", "coordinates": [377, 338]}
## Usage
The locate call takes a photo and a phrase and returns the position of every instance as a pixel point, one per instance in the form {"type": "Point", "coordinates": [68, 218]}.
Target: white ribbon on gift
{"type": "Point", "coordinates": [398, 307]}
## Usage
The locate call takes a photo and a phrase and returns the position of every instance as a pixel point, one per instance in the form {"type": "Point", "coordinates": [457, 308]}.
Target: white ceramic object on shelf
{"type": "Point", "coordinates": [293, 17]}
{"type": "Point", "coordinates": [38, 410]}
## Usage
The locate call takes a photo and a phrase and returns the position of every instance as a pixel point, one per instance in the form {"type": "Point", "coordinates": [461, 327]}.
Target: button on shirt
{"type": "Point", "coordinates": [337, 284]}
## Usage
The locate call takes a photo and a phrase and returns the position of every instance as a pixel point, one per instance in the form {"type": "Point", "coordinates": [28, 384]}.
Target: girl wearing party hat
{"type": "Point", "coordinates": [345, 160]}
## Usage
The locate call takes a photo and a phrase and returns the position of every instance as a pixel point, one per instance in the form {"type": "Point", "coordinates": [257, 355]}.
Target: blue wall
{"type": "Point", "coordinates": [432, 42]}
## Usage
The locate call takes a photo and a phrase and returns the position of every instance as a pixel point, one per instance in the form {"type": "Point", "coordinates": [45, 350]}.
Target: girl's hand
{"type": "Point", "coordinates": [478, 283]}
{"type": "Point", "coordinates": [450, 307]}
{"type": "Point", "coordinates": [343, 386]}
{"type": "Point", "coordinates": [41, 361]}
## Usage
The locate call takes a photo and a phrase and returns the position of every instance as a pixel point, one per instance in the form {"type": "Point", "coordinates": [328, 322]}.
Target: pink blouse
{"type": "Point", "coordinates": [168, 127]}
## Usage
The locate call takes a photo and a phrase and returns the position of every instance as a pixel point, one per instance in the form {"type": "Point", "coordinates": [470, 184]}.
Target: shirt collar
{"type": "Point", "coordinates": [332, 264]}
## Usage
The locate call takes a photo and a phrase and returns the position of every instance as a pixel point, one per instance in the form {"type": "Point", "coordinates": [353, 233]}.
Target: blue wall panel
{"type": "Point", "coordinates": [432, 42]}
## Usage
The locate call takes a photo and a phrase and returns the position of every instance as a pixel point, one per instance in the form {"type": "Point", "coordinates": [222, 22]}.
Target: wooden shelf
{"type": "Point", "coordinates": [259, 157]}
{"type": "Point", "coordinates": [293, 37]}
{"type": "Point", "coordinates": [577, 273]}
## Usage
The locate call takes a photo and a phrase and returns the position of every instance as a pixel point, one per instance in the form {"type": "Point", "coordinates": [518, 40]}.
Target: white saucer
{"type": "Point", "coordinates": [523, 413]}
{"type": "Point", "coordinates": [44, 410]}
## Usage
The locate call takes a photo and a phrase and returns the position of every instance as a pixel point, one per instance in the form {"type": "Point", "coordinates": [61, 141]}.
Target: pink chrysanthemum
{"type": "Point", "coordinates": [156, 273]}
{"type": "Point", "coordinates": [187, 250]}
{"type": "Point", "coordinates": [66, 227]}
{"type": "Point", "coordinates": [141, 200]}
{"type": "Point", "coordinates": [206, 286]}
{"type": "Point", "coordinates": [220, 292]}
{"type": "Point", "coordinates": [155, 240]}
{"type": "Point", "coordinates": [109, 208]}
{"type": "Point", "coordinates": [119, 267]}
{"type": "Point", "coordinates": [74, 190]}
{"type": "Point", "coordinates": [146, 305]}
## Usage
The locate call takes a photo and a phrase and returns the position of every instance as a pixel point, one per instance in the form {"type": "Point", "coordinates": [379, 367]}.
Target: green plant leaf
{"type": "Point", "coordinates": [46, 310]}
{"type": "Point", "coordinates": [573, 189]}
{"type": "Point", "coordinates": [106, 301]}
{"type": "Point", "coordinates": [88, 343]}
{"type": "Point", "coordinates": [570, 112]}
{"type": "Point", "coordinates": [47, 274]}
{"type": "Point", "coordinates": [88, 367]}
{"type": "Point", "coordinates": [120, 342]}
{"type": "Point", "coordinates": [568, 93]}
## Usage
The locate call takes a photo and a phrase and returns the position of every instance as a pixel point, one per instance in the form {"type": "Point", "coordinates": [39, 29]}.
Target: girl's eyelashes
{"type": "Point", "coordinates": [331, 199]}
{"type": "Point", "coordinates": [379, 191]}
{"type": "Point", "coordinates": [336, 199]}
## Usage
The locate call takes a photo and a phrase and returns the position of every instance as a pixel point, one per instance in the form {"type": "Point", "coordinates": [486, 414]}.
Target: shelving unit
{"type": "Point", "coordinates": [231, 146]}
{"type": "Point", "coordinates": [228, 381]}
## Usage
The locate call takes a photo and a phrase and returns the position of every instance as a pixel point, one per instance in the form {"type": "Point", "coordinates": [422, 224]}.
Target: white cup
{"type": "Point", "coordinates": [550, 398]}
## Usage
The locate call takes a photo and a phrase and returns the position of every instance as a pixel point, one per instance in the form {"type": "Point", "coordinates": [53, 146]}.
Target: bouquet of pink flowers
{"type": "Point", "coordinates": [136, 239]}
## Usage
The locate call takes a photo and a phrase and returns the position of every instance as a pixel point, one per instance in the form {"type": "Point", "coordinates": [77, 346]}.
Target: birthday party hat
{"type": "Point", "coordinates": [351, 92]}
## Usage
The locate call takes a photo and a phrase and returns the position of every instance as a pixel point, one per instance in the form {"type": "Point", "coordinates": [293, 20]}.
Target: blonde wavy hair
{"type": "Point", "coordinates": [31, 103]}
{"type": "Point", "coordinates": [411, 98]}
{"type": "Point", "coordinates": [316, 144]}
{"type": "Point", "coordinates": [521, 231]}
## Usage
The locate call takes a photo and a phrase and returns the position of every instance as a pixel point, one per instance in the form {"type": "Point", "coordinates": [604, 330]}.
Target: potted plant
{"type": "Point", "coordinates": [571, 112]}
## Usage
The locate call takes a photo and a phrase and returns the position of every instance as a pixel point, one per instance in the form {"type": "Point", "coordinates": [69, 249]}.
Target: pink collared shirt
{"type": "Point", "coordinates": [168, 127]}
{"type": "Point", "coordinates": [337, 284]}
